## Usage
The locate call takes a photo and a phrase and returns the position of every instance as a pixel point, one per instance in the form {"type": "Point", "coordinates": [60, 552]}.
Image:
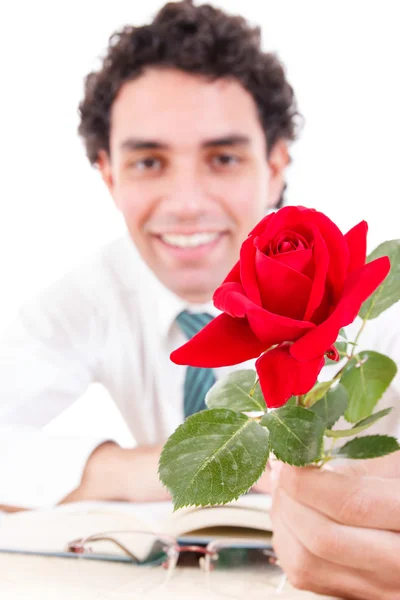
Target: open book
{"type": "Point", "coordinates": [245, 522]}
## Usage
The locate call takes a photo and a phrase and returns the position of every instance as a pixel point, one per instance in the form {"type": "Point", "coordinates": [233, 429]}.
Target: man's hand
{"type": "Point", "coordinates": [337, 532]}
{"type": "Point", "coordinates": [264, 484]}
{"type": "Point", "coordinates": [114, 473]}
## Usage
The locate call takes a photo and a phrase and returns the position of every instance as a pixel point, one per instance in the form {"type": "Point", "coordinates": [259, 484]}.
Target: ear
{"type": "Point", "coordinates": [104, 165]}
{"type": "Point", "coordinates": [278, 160]}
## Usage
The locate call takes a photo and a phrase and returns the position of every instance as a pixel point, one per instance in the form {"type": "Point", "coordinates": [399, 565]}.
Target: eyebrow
{"type": "Point", "coordinates": [229, 140]}
{"type": "Point", "coordinates": [142, 144]}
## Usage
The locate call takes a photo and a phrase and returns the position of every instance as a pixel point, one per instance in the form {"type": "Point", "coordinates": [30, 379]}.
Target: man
{"type": "Point", "coordinates": [188, 122]}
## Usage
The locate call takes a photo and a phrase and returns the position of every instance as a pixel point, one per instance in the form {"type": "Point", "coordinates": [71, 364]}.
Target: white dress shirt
{"type": "Point", "coordinates": [112, 322]}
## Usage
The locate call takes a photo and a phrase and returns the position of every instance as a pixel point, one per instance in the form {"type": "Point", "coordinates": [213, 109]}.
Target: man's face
{"type": "Point", "coordinates": [188, 169]}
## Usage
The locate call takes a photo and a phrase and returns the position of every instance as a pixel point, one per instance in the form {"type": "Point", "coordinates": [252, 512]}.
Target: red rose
{"type": "Point", "coordinates": [297, 282]}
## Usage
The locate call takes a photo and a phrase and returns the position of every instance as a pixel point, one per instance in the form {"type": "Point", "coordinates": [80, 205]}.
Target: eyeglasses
{"type": "Point", "coordinates": [231, 567]}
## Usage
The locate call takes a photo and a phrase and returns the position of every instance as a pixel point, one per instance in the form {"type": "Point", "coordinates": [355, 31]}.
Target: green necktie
{"type": "Point", "coordinates": [198, 380]}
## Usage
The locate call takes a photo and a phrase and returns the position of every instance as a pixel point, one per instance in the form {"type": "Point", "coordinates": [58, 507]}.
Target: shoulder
{"type": "Point", "coordinates": [114, 266]}
{"type": "Point", "coordinates": [117, 261]}
{"type": "Point", "coordinates": [96, 280]}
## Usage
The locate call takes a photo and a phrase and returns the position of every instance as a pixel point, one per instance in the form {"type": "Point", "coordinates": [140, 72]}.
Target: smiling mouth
{"type": "Point", "coordinates": [193, 240]}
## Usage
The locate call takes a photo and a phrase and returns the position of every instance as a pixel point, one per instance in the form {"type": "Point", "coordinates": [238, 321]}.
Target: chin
{"type": "Point", "coordinates": [192, 293]}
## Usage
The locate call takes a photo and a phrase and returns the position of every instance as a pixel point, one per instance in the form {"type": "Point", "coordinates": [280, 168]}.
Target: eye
{"type": "Point", "coordinates": [149, 163]}
{"type": "Point", "coordinates": [225, 160]}
{"type": "Point", "coordinates": [144, 165]}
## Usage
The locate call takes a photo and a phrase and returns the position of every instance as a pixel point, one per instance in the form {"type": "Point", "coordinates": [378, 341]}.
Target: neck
{"type": "Point", "coordinates": [196, 298]}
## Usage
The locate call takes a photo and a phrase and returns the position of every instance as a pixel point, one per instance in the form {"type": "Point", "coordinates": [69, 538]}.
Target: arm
{"type": "Point", "coordinates": [338, 532]}
{"type": "Point", "coordinates": [114, 473]}
{"type": "Point", "coordinates": [47, 361]}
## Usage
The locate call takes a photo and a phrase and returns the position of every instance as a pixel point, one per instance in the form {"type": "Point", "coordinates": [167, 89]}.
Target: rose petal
{"type": "Point", "coordinates": [356, 240]}
{"type": "Point", "coordinates": [359, 286]}
{"type": "Point", "coordinates": [283, 290]}
{"type": "Point", "coordinates": [276, 377]}
{"type": "Point", "coordinates": [333, 354]}
{"type": "Point", "coordinates": [321, 263]}
{"type": "Point", "coordinates": [326, 307]}
{"type": "Point", "coordinates": [299, 260]}
{"type": "Point", "coordinates": [248, 271]}
{"type": "Point", "coordinates": [268, 327]}
{"type": "Point", "coordinates": [273, 329]}
{"type": "Point", "coordinates": [224, 341]}
{"type": "Point", "coordinates": [231, 299]}
{"type": "Point", "coordinates": [337, 249]}
{"type": "Point", "coordinates": [288, 217]}
{"type": "Point", "coordinates": [288, 240]}
{"type": "Point", "coordinates": [281, 376]}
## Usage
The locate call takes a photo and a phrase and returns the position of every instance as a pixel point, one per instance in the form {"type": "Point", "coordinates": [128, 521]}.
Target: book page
{"type": "Point", "coordinates": [151, 514]}
{"type": "Point", "coordinates": [250, 512]}
{"type": "Point", "coordinates": [50, 530]}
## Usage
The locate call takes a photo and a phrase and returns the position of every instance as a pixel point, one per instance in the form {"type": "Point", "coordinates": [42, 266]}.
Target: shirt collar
{"type": "Point", "coordinates": [171, 305]}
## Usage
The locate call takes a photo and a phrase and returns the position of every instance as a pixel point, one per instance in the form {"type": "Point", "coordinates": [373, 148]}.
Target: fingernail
{"type": "Point", "coordinates": [328, 468]}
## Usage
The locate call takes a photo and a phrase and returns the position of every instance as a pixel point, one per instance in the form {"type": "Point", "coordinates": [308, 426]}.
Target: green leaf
{"type": "Point", "coordinates": [295, 434]}
{"type": "Point", "coordinates": [368, 446]}
{"type": "Point", "coordinates": [366, 381]}
{"type": "Point", "coordinates": [341, 347]}
{"type": "Point", "coordinates": [213, 457]}
{"type": "Point", "coordinates": [332, 405]}
{"type": "Point", "coordinates": [233, 392]}
{"type": "Point", "coordinates": [342, 342]}
{"type": "Point", "coordinates": [388, 292]}
{"type": "Point", "coordinates": [360, 426]}
{"type": "Point", "coordinates": [317, 392]}
{"type": "Point", "coordinates": [292, 401]}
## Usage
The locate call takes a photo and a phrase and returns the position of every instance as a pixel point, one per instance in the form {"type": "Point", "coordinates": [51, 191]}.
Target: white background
{"type": "Point", "coordinates": [342, 57]}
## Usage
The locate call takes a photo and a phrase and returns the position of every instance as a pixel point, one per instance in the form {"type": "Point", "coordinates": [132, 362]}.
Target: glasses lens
{"type": "Point", "coordinates": [141, 547]}
{"type": "Point", "coordinates": [236, 571]}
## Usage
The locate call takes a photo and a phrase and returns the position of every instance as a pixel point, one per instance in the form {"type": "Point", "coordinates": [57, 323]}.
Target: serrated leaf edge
{"type": "Point", "coordinates": [337, 452]}
{"type": "Point", "coordinates": [339, 433]}
{"type": "Point", "coordinates": [177, 502]}
{"type": "Point", "coordinates": [247, 396]}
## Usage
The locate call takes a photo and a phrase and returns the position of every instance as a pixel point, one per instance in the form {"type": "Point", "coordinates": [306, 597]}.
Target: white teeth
{"type": "Point", "coordinates": [189, 241]}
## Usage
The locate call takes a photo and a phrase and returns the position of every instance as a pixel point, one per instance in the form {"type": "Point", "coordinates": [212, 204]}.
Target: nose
{"type": "Point", "coordinates": [186, 193]}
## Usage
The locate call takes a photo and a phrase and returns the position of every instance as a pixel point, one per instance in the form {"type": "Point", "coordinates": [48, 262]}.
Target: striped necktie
{"type": "Point", "coordinates": [198, 380]}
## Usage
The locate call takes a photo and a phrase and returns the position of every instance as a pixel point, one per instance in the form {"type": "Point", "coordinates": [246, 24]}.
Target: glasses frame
{"type": "Point", "coordinates": [173, 549]}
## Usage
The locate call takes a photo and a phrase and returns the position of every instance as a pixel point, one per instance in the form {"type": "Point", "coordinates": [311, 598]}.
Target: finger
{"type": "Point", "coordinates": [347, 546]}
{"type": "Point", "coordinates": [384, 466]}
{"type": "Point", "coordinates": [306, 571]}
{"type": "Point", "coordinates": [264, 484]}
{"type": "Point", "coordinates": [368, 502]}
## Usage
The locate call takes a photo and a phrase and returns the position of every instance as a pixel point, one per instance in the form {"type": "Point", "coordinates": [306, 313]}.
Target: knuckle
{"type": "Point", "coordinates": [299, 570]}
{"type": "Point", "coordinates": [326, 543]}
{"type": "Point", "coordinates": [292, 481]}
{"type": "Point", "coordinates": [297, 581]}
{"type": "Point", "coordinates": [356, 506]}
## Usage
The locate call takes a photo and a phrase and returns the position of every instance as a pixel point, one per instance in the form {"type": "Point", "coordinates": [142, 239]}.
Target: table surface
{"type": "Point", "coordinates": [45, 578]}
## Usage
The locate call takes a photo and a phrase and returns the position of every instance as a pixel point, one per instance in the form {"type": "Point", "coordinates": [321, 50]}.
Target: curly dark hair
{"type": "Point", "coordinates": [196, 39]}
